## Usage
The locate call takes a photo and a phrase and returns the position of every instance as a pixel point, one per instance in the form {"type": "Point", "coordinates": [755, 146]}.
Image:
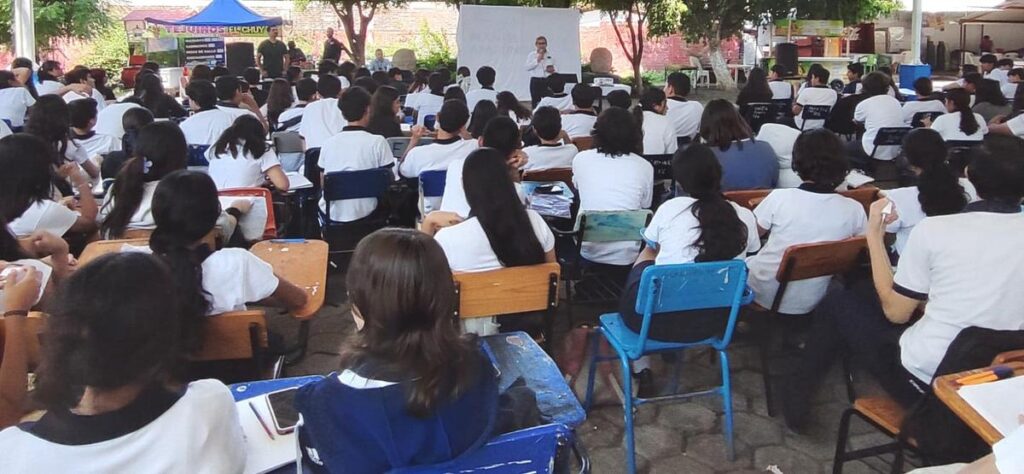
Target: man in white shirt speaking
{"type": "Point", "coordinates": [540, 64]}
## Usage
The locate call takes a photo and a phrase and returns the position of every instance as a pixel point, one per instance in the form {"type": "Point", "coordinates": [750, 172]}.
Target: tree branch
{"type": "Point", "coordinates": [618, 34]}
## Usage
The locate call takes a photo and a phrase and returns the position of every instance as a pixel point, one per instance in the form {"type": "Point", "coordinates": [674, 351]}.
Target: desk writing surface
{"type": "Point", "coordinates": [946, 389]}
{"type": "Point", "coordinates": [100, 248]}
{"type": "Point", "coordinates": [302, 262]}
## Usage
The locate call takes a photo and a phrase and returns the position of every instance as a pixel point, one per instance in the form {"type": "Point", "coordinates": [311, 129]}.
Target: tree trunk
{"type": "Point", "coordinates": [638, 83]}
{"type": "Point", "coordinates": [719, 66]}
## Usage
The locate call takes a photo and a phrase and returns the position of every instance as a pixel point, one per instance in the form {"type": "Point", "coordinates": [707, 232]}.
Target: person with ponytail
{"type": "Point", "coordinates": [659, 131]}
{"type": "Point", "coordinates": [242, 159]}
{"type": "Point", "coordinates": [132, 120]}
{"type": "Point", "coordinates": [938, 192]}
{"type": "Point", "coordinates": [50, 120]}
{"type": "Point", "coordinates": [961, 123]}
{"type": "Point", "coordinates": [409, 389]}
{"type": "Point", "coordinates": [112, 345]}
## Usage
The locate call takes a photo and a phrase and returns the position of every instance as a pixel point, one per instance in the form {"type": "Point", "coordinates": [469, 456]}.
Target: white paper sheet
{"type": "Point", "coordinates": [251, 224]}
{"type": "Point", "coordinates": [297, 181]}
{"type": "Point", "coordinates": [262, 453]}
{"type": "Point", "coordinates": [44, 276]}
{"type": "Point", "coordinates": [999, 402]}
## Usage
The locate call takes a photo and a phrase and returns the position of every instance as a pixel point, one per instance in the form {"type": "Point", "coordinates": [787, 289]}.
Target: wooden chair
{"type": "Point", "coordinates": [138, 234]}
{"type": "Point", "coordinates": [748, 198]}
{"type": "Point", "coordinates": [100, 248]}
{"type": "Point", "coordinates": [238, 336]}
{"type": "Point", "coordinates": [270, 227]}
{"type": "Point", "coordinates": [583, 143]}
{"type": "Point", "coordinates": [563, 175]}
{"type": "Point", "coordinates": [1011, 356]}
{"type": "Point", "coordinates": [510, 290]}
{"type": "Point", "coordinates": [865, 196]}
{"type": "Point", "coordinates": [802, 262]}
{"type": "Point", "coordinates": [886, 416]}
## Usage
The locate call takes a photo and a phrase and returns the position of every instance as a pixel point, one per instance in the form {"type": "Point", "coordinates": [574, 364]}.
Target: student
{"type": "Point", "coordinates": [989, 70]}
{"type": "Point", "coordinates": [927, 101]}
{"type": "Point", "coordinates": [368, 84]}
{"type": "Point", "coordinates": [580, 120]}
{"type": "Point", "coordinates": [82, 75]}
{"type": "Point", "coordinates": [854, 72]}
{"type": "Point", "coordinates": [408, 375]}
{"type": "Point", "coordinates": [509, 105]}
{"type": "Point", "coordinates": [50, 120]}
{"type": "Point", "coordinates": [878, 110]}
{"type": "Point", "coordinates": [112, 343]}
{"type": "Point", "coordinates": [290, 119]}
{"type": "Point", "coordinates": [322, 119]}
{"type": "Point", "coordinates": [781, 90]}
{"type": "Point", "coordinates": [747, 163]}
{"type": "Point", "coordinates": [558, 98]}
{"type": "Point", "coordinates": [279, 98]}
{"type": "Point", "coordinates": [989, 101]}
{"type": "Point", "coordinates": [149, 93]}
{"type": "Point", "coordinates": [429, 99]}
{"type": "Point", "coordinates": [396, 80]}
{"type": "Point", "coordinates": [816, 93]}
{"type": "Point", "coordinates": [659, 131]}
{"type": "Point", "coordinates": [938, 191]}
{"type": "Point", "coordinates": [384, 110]}
{"type": "Point", "coordinates": [1014, 77]}
{"type": "Point", "coordinates": [233, 100]}
{"type": "Point", "coordinates": [251, 76]}
{"type": "Point", "coordinates": [49, 74]}
{"type": "Point", "coordinates": [131, 122]}
{"type": "Point", "coordinates": [483, 113]}
{"type": "Point", "coordinates": [502, 134]}
{"type": "Point", "coordinates": [419, 82]}
{"type": "Point", "coordinates": [26, 191]}
{"type": "Point", "coordinates": [971, 81]}
{"type": "Point", "coordinates": [108, 120]}
{"type": "Point", "coordinates": [447, 147]}
{"type": "Point", "coordinates": [82, 114]}
{"type": "Point", "coordinates": [99, 83]}
{"type": "Point", "coordinates": [961, 123]}
{"type": "Point", "coordinates": [208, 121]}
{"type": "Point", "coordinates": [455, 93]}
{"type": "Point", "coordinates": [756, 90]}
{"type": "Point", "coordinates": [485, 76]}
{"type": "Point", "coordinates": [77, 76]}
{"type": "Point", "coordinates": [15, 100]}
{"type": "Point", "coordinates": [683, 113]}
{"type": "Point", "coordinates": [241, 158]}
{"type": "Point", "coordinates": [210, 281]}
{"type": "Point", "coordinates": [964, 265]}
{"type": "Point", "coordinates": [354, 149]}
{"type": "Point", "coordinates": [20, 295]}
{"type": "Point", "coordinates": [462, 79]}
{"type": "Point", "coordinates": [814, 212]}
{"type": "Point", "coordinates": [551, 152]}
{"type": "Point", "coordinates": [620, 99]}
{"type": "Point", "coordinates": [612, 177]}
{"type": "Point", "coordinates": [159, 150]}
{"type": "Point", "coordinates": [701, 226]}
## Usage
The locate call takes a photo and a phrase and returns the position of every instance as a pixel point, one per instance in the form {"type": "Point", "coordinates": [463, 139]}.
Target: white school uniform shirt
{"type": "Point", "coordinates": [795, 216]}
{"type": "Point", "coordinates": [353, 149]}
{"type": "Point", "coordinates": [578, 124]}
{"type": "Point", "coordinates": [76, 153]}
{"type": "Point", "coordinates": [685, 115]}
{"type": "Point", "coordinates": [206, 127]}
{"type": "Point", "coordinates": [292, 113]}
{"type": "Point", "coordinates": [543, 157]}
{"type": "Point", "coordinates": [48, 87]}
{"type": "Point", "coordinates": [427, 103]}
{"type": "Point", "coordinates": [659, 134]}
{"type": "Point", "coordinates": [877, 112]}
{"type": "Point", "coordinates": [563, 103]}
{"type": "Point", "coordinates": [916, 106]}
{"type": "Point", "coordinates": [321, 120]}
{"type": "Point", "coordinates": [468, 250]}
{"type": "Point", "coordinates": [814, 96]}
{"type": "Point", "coordinates": [234, 110]}
{"type": "Point", "coordinates": [782, 138]}
{"type": "Point", "coordinates": [1000, 75]}
{"type": "Point", "coordinates": [1010, 89]}
{"type": "Point", "coordinates": [476, 95]}
{"type": "Point", "coordinates": [209, 442]}
{"type": "Point", "coordinates": [233, 277]}
{"type": "Point", "coordinates": [72, 96]}
{"type": "Point", "coordinates": [4, 129]}
{"type": "Point", "coordinates": [612, 183]}
{"type": "Point", "coordinates": [538, 68]}
{"type": "Point", "coordinates": [435, 156]}
{"type": "Point", "coordinates": [43, 215]}
{"type": "Point", "coordinates": [967, 266]}
{"type": "Point", "coordinates": [781, 90]}
{"type": "Point", "coordinates": [97, 144]}
{"type": "Point", "coordinates": [948, 125]}
{"type": "Point", "coordinates": [109, 120]}
{"type": "Point", "coordinates": [454, 197]}
{"type": "Point", "coordinates": [242, 170]}
{"type": "Point", "coordinates": [1016, 125]}
{"type": "Point", "coordinates": [14, 104]}
{"type": "Point", "coordinates": [909, 212]}
{"type": "Point", "coordinates": [674, 230]}
{"type": "Point", "coordinates": [143, 217]}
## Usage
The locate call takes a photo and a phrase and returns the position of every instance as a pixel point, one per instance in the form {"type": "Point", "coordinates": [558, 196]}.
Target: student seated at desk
{"type": "Point", "coordinates": [186, 211]}
{"type": "Point", "coordinates": [112, 343]}
{"type": "Point", "coordinates": [384, 110]}
{"type": "Point", "coordinates": [747, 163]}
{"type": "Point", "coordinates": [50, 120]}
{"type": "Point", "coordinates": [756, 90]}
{"type": "Point", "coordinates": [447, 147]}
{"type": "Point", "coordinates": [241, 158]}
{"type": "Point", "coordinates": [354, 149]}
{"type": "Point", "coordinates": [83, 122]}
{"type": "Point", "coordinates": [484, 76]}
{"type": "Point", "coordinates": [817, 92]}
{"type": "Point", "coordinates": [27, 193]}
{"type": "Point", "coordinates": [927, 101]}
{"type": "Point", "coordinates": [659, 131]}
{"type": "Point", "coordinates": [877, 111]}
{"type": "Point", "coordinates": [989, 101]}
{"type": "Point", "coordinates": [501, 134]}
{"type": "Point", "coordinates": [509, 105]}
{"type": "Point", "coordinates": [149, 93]}
{"type": "Point", "coordinates": [322, 119]}
{"type": "Point", "coordinates": [551, 152]}
{"type": "Point", "coordinates": [781, 90]}
{"type": "Point", "coordinates": [431, 98]}
{"type": "Point", "coordinates": [579, 121]}
{"type": "Point", "coordinates": [15, 99]}
{"type": "Point", "coordinates": [235, 98]}
{"type": "Point", "coordinates": [207, 122]}
{"type": "Point", "coordinates": [290, 119]}
{"type": "Point", "coordinates": [960, 123]}
{"type": "Point", "coordinates": [132, 121]}
{"type": "Point", "coordinates": [484, 111]}
{"type": "Point", "coordinates": [685, 114]}
{"type": "Point", "coordinates": [557, 98]}
{"type": "Point", "coordinates": [411, 391]}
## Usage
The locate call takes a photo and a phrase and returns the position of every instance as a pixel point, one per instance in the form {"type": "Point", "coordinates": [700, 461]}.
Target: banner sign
{"type": "Point", "coordinates": [222, 31]}
{"type": "Point", "coordinates": [810, 27]}
{"type": "Point", "coordinates": [204, 50]}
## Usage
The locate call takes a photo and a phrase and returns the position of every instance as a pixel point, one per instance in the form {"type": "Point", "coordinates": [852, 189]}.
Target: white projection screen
{"type": "Point", "coordinates": [501, 37]}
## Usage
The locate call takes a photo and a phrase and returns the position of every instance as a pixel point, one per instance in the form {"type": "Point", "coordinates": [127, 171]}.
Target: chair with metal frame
{"type": "Point", "coordinates": [232, 337]}
{"type": "Point", "coordinates": [197, 156]}
{"type": "Point", "coordinates": [918, 120]}
{"type": "Point", "coordinates": [510, 290]}
{"type": "Point", "coordinates": [431, 186]}
{"type": "Point", "coordinates": [598, 227]}
{"type": "Point", "coordinates": [757, 114]}
{"type": "Point", "coordinates": [813, 112]}
{"type": "Point", "coordinates": [339, 186]}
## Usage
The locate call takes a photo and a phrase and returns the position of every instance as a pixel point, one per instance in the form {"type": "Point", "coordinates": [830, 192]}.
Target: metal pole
{"type": "Point", "coordinates": [24, 30]}
{"type": "Point", "coordinates": [915, 39]}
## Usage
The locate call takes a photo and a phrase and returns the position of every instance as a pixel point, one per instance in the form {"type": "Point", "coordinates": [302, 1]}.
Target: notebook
{"type": "Point", "coordinates": [44, 276]}
{"type": "Point", "coordinates": [857, 179]}
{"type": "Point", "coordinates": [252, 224]}
{"type": "Point", "coordinates": [262, 453]}
{"type": "Point", "coordinates": [297, 181]}
{"type": "Point", "coordinates": [998, 402]}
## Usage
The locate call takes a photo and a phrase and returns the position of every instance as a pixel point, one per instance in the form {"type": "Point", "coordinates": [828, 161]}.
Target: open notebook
{"type": "Point", "coordinates": [298, 181]}
{"type": "Point", "coordinates": [998, 402]}
{"type": "Point", "coordinates": [44, 276]}
{"type": "Point", "coordinates": [262, 453]}
{"type": "Point", "coordinates": [251, 224]}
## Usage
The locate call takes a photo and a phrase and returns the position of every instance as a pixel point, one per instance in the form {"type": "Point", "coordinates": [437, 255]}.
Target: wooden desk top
{"type": "Point", "coordinates": [303, 263]}
{"type": "Point", "coordinates": [100, 248]}
{"type": "Point", "coordinates": [946, 389]}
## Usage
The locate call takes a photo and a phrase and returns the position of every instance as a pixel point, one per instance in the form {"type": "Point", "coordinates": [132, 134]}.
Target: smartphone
{"type": "Point", "coordinates": [429, 122]}
{"type": "Point", "coordinates": [282, 410]}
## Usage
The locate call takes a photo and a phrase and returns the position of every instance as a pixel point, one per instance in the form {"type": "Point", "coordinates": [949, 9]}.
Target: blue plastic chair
{"type": "Point", "coordinates": [197, 155]}
{"type": "Point", "coordinates": [666, 289]}
{"type": "Point", "coordinates": [527, 450]}
{"type": "Point", "coordinates": [431, 190]}
{"type": "Point", "coordinates": [344, 185]}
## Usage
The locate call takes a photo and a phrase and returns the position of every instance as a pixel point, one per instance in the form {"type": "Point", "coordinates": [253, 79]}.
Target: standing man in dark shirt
{"type": "Point", "coordinates": [332, 47]}
{"type": "Point", "coordinates": [272, 55]}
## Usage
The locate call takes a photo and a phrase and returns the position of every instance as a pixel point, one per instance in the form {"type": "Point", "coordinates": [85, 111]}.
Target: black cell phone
{"type": "Point", "coordinates": [282, 410]}
{"type": "Point", "coordinates": [429, 122]}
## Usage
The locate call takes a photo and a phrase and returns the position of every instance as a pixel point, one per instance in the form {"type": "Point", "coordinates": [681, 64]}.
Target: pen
{"type": "Point", "coordinates": [996, 373]}
{"type": "Point", "coordinates": [260, 419]}
{"type": "Point", "coordinates": [288, 241]}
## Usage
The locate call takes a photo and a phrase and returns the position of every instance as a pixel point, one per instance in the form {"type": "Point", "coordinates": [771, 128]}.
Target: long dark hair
{"type": "Point", "coordinates": [939, 190]}
{"type": "Point", "coordinates": [722, 126]}
{"type": "Point", "coordinates": [116, 322]}
{"type": "Point", "coordinates": [132, 121]}
{"type": "Point", "coordinates": [419, 81]}
{"type": "Point", "coordinates": [493, 201]}
{"type": "Point", "coordinates": [8, 80]}
{"type": "Point", "coordinates": [483, 112]}
{"type": "Point", "coordinates": [28, 174]}
{"type": "Point", "coordinates": [723, 235]}
{"type": "Point", "coordinates": [30, 83]}
{"type": "Point", "coordinates": [961, 101]}
{"type": "Point", "coordinates": [400, 283]}
{"type": "Point", "coordinates": [150, 92]}
{"type": "Point", "coordinates": [756, 89]}
{"type": "Point", "coordinates": [50, 120]}
{"type": "Point", "coordinates": [185, 208]}
{"type": "Point", "coordinates": [245, 135]}
{"type": "Point", "coordinates": [507, 102]}
{"type": "Point", "coordinates": [649, 99]}
{"type": "Point", "coordinates": [989, 90]}
{"type": "Point", "coordinates": [161, 148]}
{"type": "Point", "coordinates": [279, 99]}
{"type": "Point", "coordinates": [382, 111]}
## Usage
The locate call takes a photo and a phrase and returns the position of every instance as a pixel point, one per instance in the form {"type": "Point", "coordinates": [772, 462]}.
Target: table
{"type": "Point", "coordinates": [529, 187]}
{"type": "Point", "coordinates": [735, 68]}
{"type": "Point", "coordinates": [946, 389]}
{"type": "Point", "coordinates": [302, 262]}
{"type": "Point", "coordinates": [100, 248]}
{"type": "Point", "coordinates": [605, 90]}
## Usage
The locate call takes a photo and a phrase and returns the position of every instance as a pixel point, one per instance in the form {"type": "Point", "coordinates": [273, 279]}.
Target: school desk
{"type": "Point", "coordinates": [946, 389]}
{"type": "Point", "coordinates": [302, 262]}
{"type": "Point", "coordinates": [100, 248]}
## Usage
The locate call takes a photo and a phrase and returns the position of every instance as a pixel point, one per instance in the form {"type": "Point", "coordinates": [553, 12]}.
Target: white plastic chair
{"type": "Point", "coordinates": [700, 73]}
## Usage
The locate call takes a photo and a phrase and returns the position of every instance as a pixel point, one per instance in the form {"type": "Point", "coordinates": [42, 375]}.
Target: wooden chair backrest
{"type": "Point", "coordinates": [35, 325]}
{"type": "Point", "coordinates": [549, 175]}
{"type": "Point", "coordinates": [748, 198]}
{"type": "Point", "coordinates": [583, 143]}
{"type": "Point", "coordinates": [130, 234]}
{"type": "Point", "coordinates": [226, 336]}
{"type": "Point", "coordinates": [100, 248]}
{"type": "Point", "coordinates": [865, 196]}
{"type": "Point", "coordinates": [804, 261]}
{"type": "Point", "coordinates": [613, 226]}
{"type": "Point", "coordinates": [506, 291]}
{"type": "Point", "coordinates": [270, 227]}
{"type": "Point", "coordinates": [1010, 356]}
